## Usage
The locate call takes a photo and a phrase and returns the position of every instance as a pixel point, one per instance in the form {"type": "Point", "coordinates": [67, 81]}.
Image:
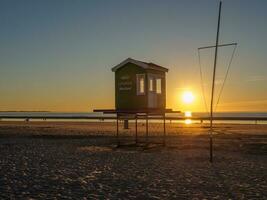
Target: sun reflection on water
{"type": "Point", "coordinates": [188, 121]}
{"type": "Point", "coordinates": [188, 114]}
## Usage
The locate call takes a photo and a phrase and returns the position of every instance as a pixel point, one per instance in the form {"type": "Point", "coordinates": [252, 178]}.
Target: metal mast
{"type": "Point", "coordinates": [213, 83]}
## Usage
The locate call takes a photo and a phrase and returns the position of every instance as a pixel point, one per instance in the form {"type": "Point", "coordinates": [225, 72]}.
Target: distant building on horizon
{"type": "Point", "coordinates": [139, 85]}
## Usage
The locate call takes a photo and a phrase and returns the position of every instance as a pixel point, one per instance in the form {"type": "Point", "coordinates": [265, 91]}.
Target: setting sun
{"type": "Point", "coordinates": [188, 97]}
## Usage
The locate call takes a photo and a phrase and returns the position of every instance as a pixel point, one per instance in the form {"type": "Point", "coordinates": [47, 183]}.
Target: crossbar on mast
{"type": "Point", "coordinates": [221, 45]}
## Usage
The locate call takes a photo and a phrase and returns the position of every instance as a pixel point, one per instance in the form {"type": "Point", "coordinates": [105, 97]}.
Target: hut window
{"type": "Point", "coordinates": [140, 80]}
{"type": "Point", "coordinates": [158, 85]}
{"type": "Point", "coordinates": [151, 84]}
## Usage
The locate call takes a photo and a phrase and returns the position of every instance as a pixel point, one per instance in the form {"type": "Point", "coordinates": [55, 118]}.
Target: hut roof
{"type": "Point", "coordinates": [142, 64]}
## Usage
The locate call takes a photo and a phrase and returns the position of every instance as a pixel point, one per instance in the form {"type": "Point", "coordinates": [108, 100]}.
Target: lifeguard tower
{"type": "Point", "coordinates": [139, 85]}
{"type": "Point", "coordinates": [140, 93]}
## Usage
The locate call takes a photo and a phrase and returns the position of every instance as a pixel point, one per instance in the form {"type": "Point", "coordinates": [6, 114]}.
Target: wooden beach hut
{"type": "Point", "coordinates": [139, 85]}
{"type": "Point", "coordinates": [140, 93]}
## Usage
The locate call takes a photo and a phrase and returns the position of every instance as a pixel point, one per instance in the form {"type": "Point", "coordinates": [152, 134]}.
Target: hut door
{"type": "Point", "coordinates": [152, 96]}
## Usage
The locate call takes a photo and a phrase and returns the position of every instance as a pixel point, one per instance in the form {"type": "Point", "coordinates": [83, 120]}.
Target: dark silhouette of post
{"type": "Point", "coordinates": [117, 135]}
{"type": "Point", "coordinates": [126, 124]}
{"type": "Point", "coordinates": [146, 128]}
{"type": "Point", "coordinates": [164, 129]}
{"type": "Point", "coordinates": [136, 129]}
{"type": "Point", "coordinates": [213, 83]}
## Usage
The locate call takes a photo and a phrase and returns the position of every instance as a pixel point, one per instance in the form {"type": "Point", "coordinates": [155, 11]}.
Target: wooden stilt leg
{"type": "Point", "coordinates": [164, 130]}
{"type": "Point", "coordinates": [147, 128]}
{"type": "Point", "coordinates": [118, 141]}
{"type": "Point", "coordinates": [136, 129]}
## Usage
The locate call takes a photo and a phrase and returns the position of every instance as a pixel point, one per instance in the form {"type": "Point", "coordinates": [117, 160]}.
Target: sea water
{"type": "Point", "coordinates": [97, 116]}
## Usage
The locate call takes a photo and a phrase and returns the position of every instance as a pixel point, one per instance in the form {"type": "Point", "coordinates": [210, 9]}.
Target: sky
{"type": "Point", "coordinates": [58, 55]}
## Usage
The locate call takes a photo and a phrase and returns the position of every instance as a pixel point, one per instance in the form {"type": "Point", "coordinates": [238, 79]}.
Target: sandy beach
{"type": "Point", "coordinates": [79, 160]}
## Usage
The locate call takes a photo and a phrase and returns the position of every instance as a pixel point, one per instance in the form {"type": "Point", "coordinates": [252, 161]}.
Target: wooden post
{"type": "Point", "coordinates": [126, 124]}
{"type": "Point", "coordinates": [147, 128]}
{"type": "Point", "coordinates": [164, 130]}
{"type": "Point", "coordinates": [136, 129]}
{"type": "Point", "coordinates": [118, 141]}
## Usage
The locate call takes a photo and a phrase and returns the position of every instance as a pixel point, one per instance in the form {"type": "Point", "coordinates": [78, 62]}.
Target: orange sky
{"type": "Point", "coordinates": [55, 58]}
